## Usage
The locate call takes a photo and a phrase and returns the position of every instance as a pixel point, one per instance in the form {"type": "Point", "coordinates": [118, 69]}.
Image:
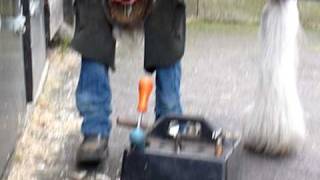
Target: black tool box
{"type": "Point", "coordinates": [201, 152]}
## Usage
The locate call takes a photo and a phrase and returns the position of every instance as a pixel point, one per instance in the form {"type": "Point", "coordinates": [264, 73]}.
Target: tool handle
{"type": "Point", "coordinates": [129, 123]}
{"type": "Point", "coordinates": [145, 89]}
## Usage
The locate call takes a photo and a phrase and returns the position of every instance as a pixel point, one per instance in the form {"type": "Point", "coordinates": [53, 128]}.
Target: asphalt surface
{"type": "Point", "coordinates": [219, 77]}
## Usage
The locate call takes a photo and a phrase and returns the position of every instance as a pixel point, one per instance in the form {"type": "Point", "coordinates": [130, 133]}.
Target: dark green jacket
{"type": "Point", "coordinates": [165, 30]}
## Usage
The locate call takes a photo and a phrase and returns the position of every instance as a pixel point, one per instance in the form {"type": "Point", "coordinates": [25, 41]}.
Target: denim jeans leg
{"type": "Point", "coordinates": [93, 98]}
{"type": "Point", "coordinates": [168, 91]}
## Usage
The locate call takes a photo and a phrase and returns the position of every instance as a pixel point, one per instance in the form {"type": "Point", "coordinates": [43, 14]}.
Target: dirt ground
{"type": "Point", "coordinates": [219, 77]}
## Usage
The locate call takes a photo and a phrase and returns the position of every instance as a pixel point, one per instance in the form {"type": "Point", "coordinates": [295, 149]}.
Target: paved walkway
{"type": "Point", "coordinates": [218, 80]}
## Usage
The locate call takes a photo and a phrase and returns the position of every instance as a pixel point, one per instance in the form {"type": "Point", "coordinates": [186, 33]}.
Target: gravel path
{"type": "Point", "coordinates": [218, 81]}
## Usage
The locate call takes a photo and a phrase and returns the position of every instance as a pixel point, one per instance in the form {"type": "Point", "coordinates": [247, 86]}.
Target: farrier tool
{"type": "Point", "coordinates": [201, 151]}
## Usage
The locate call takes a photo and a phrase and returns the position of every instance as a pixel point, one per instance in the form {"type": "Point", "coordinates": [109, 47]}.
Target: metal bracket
{"type": "Point", "coordinates": [15, 24]}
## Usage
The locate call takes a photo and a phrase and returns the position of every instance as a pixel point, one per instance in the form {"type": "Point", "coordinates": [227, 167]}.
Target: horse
{"type": "Point", "coordinates": [276, 124]}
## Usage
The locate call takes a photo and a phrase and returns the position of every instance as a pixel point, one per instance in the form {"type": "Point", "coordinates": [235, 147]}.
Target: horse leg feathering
{"type": "Point", "coordinates": [276, 124]}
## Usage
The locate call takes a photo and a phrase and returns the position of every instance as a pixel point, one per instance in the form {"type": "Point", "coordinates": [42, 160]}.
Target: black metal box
{"type": "Point", "coordinates": [197, 159]}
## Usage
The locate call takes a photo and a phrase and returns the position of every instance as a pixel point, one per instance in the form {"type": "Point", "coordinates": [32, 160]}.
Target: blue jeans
{"type": "Point", "coordinates": [93, 95]}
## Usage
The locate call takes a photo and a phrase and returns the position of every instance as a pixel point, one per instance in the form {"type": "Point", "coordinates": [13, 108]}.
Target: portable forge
{"type": "Point", "coordinates": [179, 148]}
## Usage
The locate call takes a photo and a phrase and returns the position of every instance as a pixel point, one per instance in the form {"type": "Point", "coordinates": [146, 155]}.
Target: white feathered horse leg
{"type": "Point", "coordinates": [276, 124]}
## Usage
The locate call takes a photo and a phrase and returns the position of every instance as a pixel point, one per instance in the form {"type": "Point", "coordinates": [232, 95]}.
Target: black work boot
{"type": "Point", "coordinates": [93, 150]}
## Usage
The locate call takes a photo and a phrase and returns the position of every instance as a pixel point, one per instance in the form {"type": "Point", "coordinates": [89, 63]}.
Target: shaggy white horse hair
{"type": "Point", "coordinates": [276, 124]}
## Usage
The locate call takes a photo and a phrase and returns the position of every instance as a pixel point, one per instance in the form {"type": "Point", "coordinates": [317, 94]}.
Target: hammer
{"type": "Point", "coordinates": [137, 135]}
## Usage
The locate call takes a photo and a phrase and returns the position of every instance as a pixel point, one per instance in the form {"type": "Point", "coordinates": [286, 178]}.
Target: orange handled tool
{"type": "Point", "coordinates": [145, 89]}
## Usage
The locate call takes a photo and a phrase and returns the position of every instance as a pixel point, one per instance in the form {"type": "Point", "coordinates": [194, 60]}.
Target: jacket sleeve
{"type": "Point", "coordinates": [180, 19]}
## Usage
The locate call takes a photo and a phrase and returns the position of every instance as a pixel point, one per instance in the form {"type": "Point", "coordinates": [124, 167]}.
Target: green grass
{"type": "Point", "coordinates": [311, 38]}
{"type": "Point", "coordinates": [310, 14]}
{"type": "Point", "coordinates": [209, 26]}
{"type": "Point", "coordinates": [249, 11]}
{"type": "Point", "coordinates": [64, 45]}
{"type": "Point", "coordinates": [231, 11]}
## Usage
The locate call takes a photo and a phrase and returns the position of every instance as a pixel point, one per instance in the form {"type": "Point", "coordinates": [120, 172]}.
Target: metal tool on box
{"type": "Point", "coordinates": [168, 152]}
